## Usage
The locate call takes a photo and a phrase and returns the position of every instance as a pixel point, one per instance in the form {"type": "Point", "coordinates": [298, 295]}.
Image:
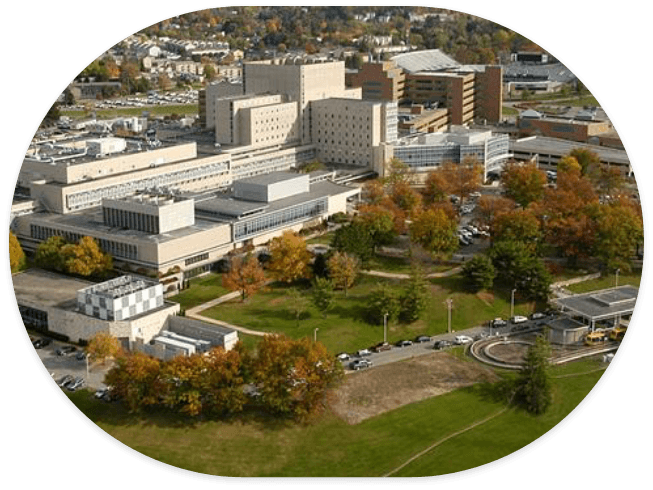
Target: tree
{"type": "Point", "coordinates": [298, 303]}
{"type": "Point", "coordinates": [322, 294]}
{"type": "Point", "coordinates": [103, 346]}
{"type": "Point", "coordinates": [523, 183]}
{"type": "Point", "coordinates": [619, 231]}
{"type": "Point", "coordinates": [204, 383]}
{"type": "Point", "coordinates": [406, 198]}
{"type": "Point", "coordinates": [293, 376]}
{"type": "Point", "coordinates": [354, 239]}
{"type": "Point", "coordinates": [16, 254]}
{"type": "Point", "coordinates": [380, 223]}
{"type": "Point", "coordinates": [246, 275]}
{"type": "Point", "coordinates": [209, 72]}
{"type": "Point", "coordinates": [343, 269]}
{"type": "Point", "coordinates": [164, 82]}
{"type": "Point", "coordinates": [587, 159]}
{"type": "Point", "coordinates": [436, 232]}
{"type": "Point", "coordinates": [397, 172]}
{"type": "Point", "coordinates": [48, 254]}
{"type": "Point", "coordinates": [86, 258]}
{"type": "Point", "coordinates": [479, 272]}
{"type": "Point", "coordinates": [609, 180]}
{"type": "Point", "coordinates": [435, 187]}
{"type": "Point", "coordinates": [518, 225]}
{"type": "Point", "coordinates": [290, 258]}
{"type": "Point", "coordinates": [568, 164]}
{"type": "Point", "coordinates": [415, 295]}
{"type": "Point", "coordinates": [462, 178]}
{"type": "Point", "coordinates": [382, 301]}
{"type": "Point", "coordinates": [135, 380]}
{"type": "Point", "coordinates": [490, 207]}
{"type": "Point", "coordinates": [533, 387]}
{"type": "Point", "coordinates": [509, 258]}
{"type": "Point", "coordinates": [373, 191]}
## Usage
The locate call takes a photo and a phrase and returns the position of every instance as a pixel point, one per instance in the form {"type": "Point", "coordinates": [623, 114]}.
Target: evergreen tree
{"type": "Point", "coordinates": [533, 387]}
{"type": "Point", "coordinates": [479, 272]}
{"type": "Point", "coordinates": [415, 296]}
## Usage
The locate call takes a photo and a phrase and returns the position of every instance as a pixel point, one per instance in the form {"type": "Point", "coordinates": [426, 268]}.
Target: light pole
{"type": "Point", "coordinates": [449, 303]}
{"type": "Point", "coordinates": [616, 278]}
{"type": "Point", "coordinates": [385, 327]}
{"type": "Point", "coordinates": [512, 303]}
{"type": "Point", "coordinates": [315, 334]}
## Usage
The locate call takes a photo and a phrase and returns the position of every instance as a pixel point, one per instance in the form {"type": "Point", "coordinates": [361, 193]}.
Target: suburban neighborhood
{"type": "Point", "coordinates": [259, 230]}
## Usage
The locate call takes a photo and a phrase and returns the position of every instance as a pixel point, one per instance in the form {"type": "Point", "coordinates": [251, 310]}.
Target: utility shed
{"type": "Point", "coordinates": [271, 187]}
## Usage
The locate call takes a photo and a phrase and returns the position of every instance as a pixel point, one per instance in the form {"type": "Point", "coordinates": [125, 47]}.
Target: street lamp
{"type": "Point", "coordinates": [315, 334]}
{"type": "Point", "coordinates": [385, 327]}
{"type": "Point", "coordinates": [616, 278]}
{"type": "Point", "coordinates": [512, 303]}
{"type": "Point", "coordinates": [449, 303]}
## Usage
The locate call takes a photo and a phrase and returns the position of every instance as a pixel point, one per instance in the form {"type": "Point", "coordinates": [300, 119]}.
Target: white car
{"type": "Point", "coordinates": [462, 339]}
{"type": "Point", "coordinates": [364, 352]}
{"type": "Point", "coordinates": [519, 319]}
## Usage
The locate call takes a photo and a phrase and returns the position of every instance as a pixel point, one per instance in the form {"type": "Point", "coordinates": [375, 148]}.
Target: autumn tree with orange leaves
{"type": "Point", "coordinates": [246, 275]}
{"type": "Point", "coordinates": [290, 257]}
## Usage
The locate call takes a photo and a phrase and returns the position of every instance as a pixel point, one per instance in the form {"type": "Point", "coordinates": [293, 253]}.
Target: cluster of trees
{"type": "Point", "coordinates": [288, 378]}
{"type": "Point", "coordinates": [406, 305]}
{"type": "Point", "coordinates": [16, 255]}
{"type": "Point", "coordinates": [470, 39]}
{"type": "Point", "coordinates": [84, 258]}
{"type": "Point", "coordinates": [569, 219]}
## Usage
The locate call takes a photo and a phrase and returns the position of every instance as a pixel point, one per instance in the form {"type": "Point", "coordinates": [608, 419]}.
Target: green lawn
{"type": "Point", "coordinates": [159, 110]}
{"type": "Point", "coordinates": [345, 328]}
{"type": "Point", "coordinates": [322, 239]}
{"type": "Point", "coordinates": [202, 289]}
{"type": "Point", "coordinates": [607, 281]}
{"type": "Point", "coordinates": [256, 445]}
{"type": "Point", "coordinates": [509, 111]}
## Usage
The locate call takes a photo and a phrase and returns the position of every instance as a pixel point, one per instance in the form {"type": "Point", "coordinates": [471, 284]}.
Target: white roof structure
{"type": "Point", "coordinates": [427, 60]}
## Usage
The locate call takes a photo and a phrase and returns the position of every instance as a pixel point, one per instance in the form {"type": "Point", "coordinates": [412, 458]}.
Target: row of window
{"type": "Point", "coordinates": [87, 199]}
{"type": "Point", "coordinates": [196, 258]}
{"type": "Point", "coordinates": [276, 219]}
{"type": "Point", "coordinates": [131, 220]}
{"type": "Point", "coordinates": [116, 249]}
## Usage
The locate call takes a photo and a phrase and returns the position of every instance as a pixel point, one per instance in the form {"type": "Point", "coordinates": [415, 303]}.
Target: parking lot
{"type": "Point", "coordinates": [59, 366]}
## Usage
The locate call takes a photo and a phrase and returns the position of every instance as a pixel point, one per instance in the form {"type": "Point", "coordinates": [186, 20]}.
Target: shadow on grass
{"type": "Point", "coordinates": [117, 414]}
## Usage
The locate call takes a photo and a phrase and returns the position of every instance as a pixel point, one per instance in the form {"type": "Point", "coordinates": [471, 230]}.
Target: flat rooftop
{"type": "Point", "coordinates": [270, 178]}
{"type": "Point", "coordinates": [601, 304]}
{"type": "Point", "coordinates": [118, 287]}
{"type": "Point", "coordinates": [44, 288]}
{"type": "Point", "coordinates": [558, 146]}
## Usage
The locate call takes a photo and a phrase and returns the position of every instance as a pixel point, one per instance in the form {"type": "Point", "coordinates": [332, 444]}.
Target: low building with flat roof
{"type": "Point", "coordinates": [129, 308]}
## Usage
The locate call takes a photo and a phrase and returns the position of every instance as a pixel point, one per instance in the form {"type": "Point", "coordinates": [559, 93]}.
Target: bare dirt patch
{"type": "Point", "coordinates": [487, 298]}
{"type": "Point", "coordinates": [369, 393]}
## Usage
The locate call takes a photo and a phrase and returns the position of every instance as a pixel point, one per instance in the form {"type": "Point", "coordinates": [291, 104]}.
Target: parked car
{"type": "Point", "coordinates": [462, 340]}
{"type": "Point", "coordinates": [499, 322]}
{"type": "Point", "coordinates": [360, 364]}
{"type": "Point", "coordinates": [422, 338]}
{"type": "Point", "coordinates": [538, 315]}
{"type": "Point", "coordinates": [343, 356]}
{"type": "Point", "coordinates": [383, 346]}
{"type": "Point", "coordinates": [80, 356]}
{"type": "Point", "coordinates": [404, 343]}
{"type": "Point", "coordinates": [65, 380]}
{"type": "Point", "coordinates": [66, 350]}
{"type": "Point", "coordinates": [441, 344]}
{"type": "Point", "coordinates": [518, 319]}
{"type": "Point", "coordinates": [76, 384]}
{"type": "Point", "coordinates": [40, 343]}
{"type": "Point", "coordinates": [363, 352]}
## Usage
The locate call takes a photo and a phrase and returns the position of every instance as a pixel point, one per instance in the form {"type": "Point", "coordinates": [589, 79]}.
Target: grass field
{"type": "Point", "coordinates": [256, 445]}
{"type": "Point", "coordinates": [345, 328]}
{"type": "Point", "coordinates": [606, 282]}
{"type": "Point", "coordinates": [202, 289]}
{"type": "Point", "coordinates": [159, 110]}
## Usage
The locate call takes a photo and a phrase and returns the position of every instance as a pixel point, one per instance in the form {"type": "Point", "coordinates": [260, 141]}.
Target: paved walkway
{"type": "Point", "coordinates": [393, 275]}
{"type": "Point", "coordinates": [195, 314]}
